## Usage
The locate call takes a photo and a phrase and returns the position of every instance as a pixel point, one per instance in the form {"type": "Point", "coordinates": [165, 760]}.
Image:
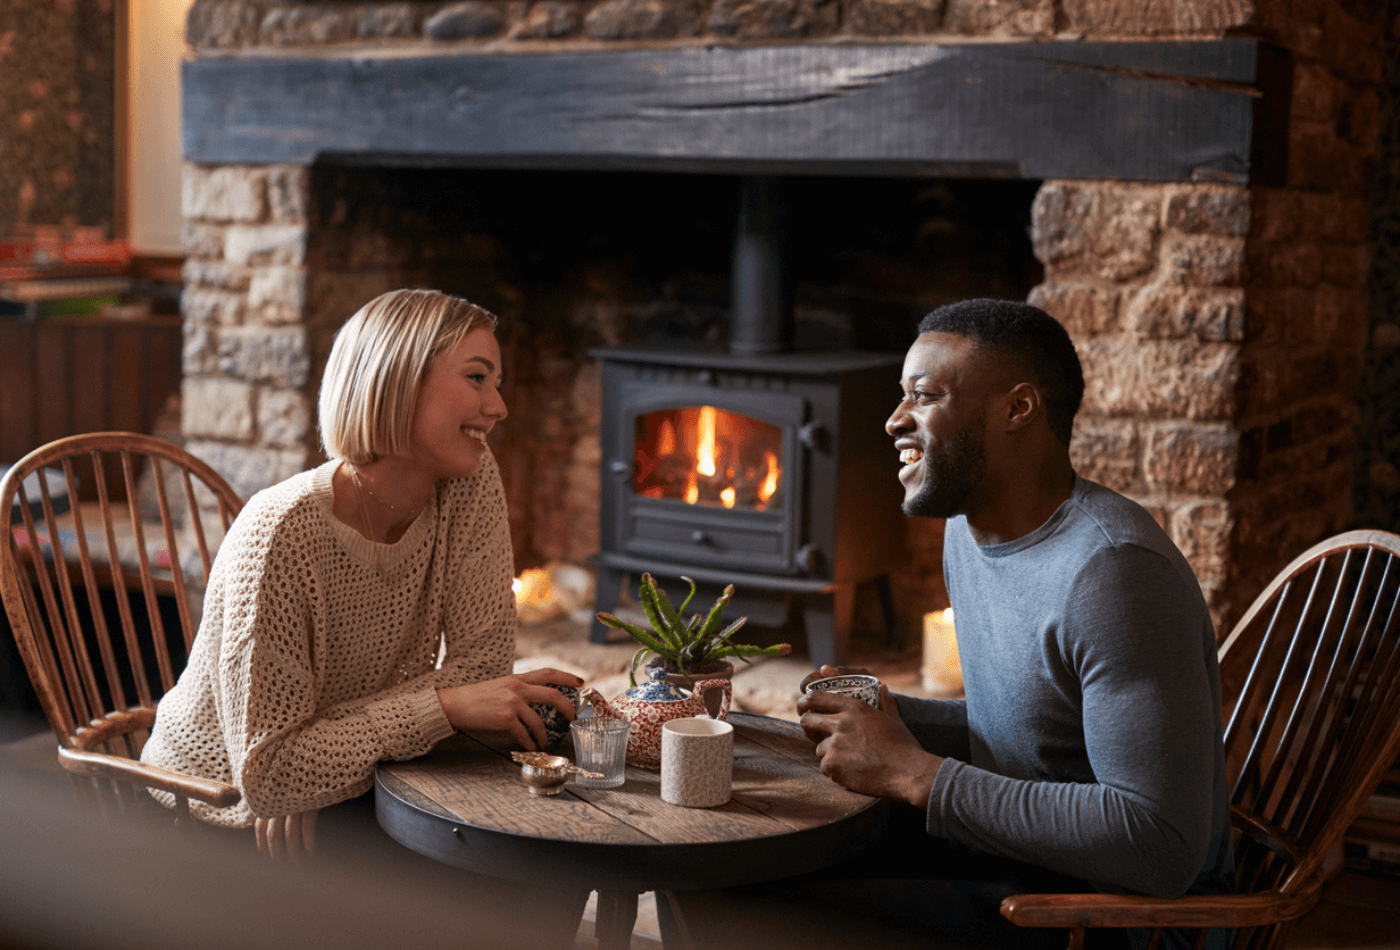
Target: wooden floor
{"type": "Point", "coordinates": [1358, 912]}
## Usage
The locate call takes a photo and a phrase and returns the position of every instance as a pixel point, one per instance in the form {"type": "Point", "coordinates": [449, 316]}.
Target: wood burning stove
{"type": "Point", "coordinates": [759, 465]}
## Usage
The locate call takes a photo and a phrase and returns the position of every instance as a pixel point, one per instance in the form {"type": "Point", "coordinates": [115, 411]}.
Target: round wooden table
{"type": "Point", "coordinates": [464, 804]}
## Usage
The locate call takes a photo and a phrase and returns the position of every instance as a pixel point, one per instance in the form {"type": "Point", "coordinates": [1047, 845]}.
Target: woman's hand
{"type": "Point", "coordinates": [289, 836]}
{"type": "Point", "coordinates": [503, 704]}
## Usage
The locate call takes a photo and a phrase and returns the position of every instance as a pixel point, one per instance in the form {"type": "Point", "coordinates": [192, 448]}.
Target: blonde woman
{"type": "Point", "coordinates": [335, 592]}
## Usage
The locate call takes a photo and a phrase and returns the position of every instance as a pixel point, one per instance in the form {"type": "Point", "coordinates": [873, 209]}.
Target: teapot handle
{"type": "Point", "coordinates": [726, 688]}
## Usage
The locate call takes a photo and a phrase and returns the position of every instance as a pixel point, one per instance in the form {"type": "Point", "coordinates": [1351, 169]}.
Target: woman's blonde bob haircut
{"type": "Point", "coordinates": [370, 389]}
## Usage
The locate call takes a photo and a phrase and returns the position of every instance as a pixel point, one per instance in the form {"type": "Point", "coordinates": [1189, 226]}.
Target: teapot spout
{"type": "Point", "coordinates": [601, 707]}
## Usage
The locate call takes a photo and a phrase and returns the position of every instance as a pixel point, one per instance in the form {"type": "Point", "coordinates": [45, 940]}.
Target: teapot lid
{"type": "Point", "coordinates": [658, 690]}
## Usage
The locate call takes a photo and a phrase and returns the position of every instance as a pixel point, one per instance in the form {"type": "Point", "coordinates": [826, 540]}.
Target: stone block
{"type": "Point", "coordinates": [1276, 313]}
{"type": "Point", "coordinates": [1167, 379]}
{"type": "Point", "coordinates": [1136, 18]}
{"type": "Point", "coordinates": [1084, 309]}
{"type": "Point", "coordinates": [216, 408]}
{"type": "Point", "coordinates": [1340, 316]}
{"type": "Point", "coordinates": [288, 192]}
{"type": "Point", "coordinates": [780, 19]}
{"type": "Point", "coordinates": [1345, 265]}
{"type": "Point", "coordinates": [1198, 459]}
{"type": "Point", "coordinates": [374, 249]}
{"type": "Point", "coordinates": [1000, 17]}
{"type": "Point", "coordinates": [284, 418]}
{"type": "Point", "coordinates": [630, 20]}
{"type": "Point", "coordinates": [1203, 531]}
{"type": "Point", "coordinates": [277, 295]}
{"type": "Point", "coordinates": [1363, 118]}
{"type": "Point", "coordinates": [1167, 312]}
{"type": "Point", "coordinates": [1222, 210]}
{"type": "Point", "coordinates": [1295, 264]}
{"type": "Point", "coordinates": [1317, 92]}
{"type": "Point", "coordinates": [307, 26]}
{"type": "Point", "coordinates": [265, 244]}
{"type": "Point", "coordinates": [385, 21]}
{"type": "Point", "coordinates": [277, 355]}
{"type": "Point", "coordinates": [1100, 230]}
{"type": "Point", "coordinates": [894, 17]}
{"type": "Point", "coordinates": [223, 193]}
{"type": "Point", "coordinates": [1203, 261]}
{"type": "Point", "coordinates": [473, 20]}
{"type": "Point", "coordinates": [203, 306]}
{"type": "Point", "coordinates": [1275, 215]}
{"type": "Point", "coordinates": [199, 350]}
{"type": "Point", "coordinates": [202, 240]}
{"type": "Point", "coordinates": [1106, 451]}
{"type": "Point", "coordinates": [550, 19]}
{"type": "Point", "coordinates": [199, 274]}
{"type": "Point", "coordinates": [1354, 43]}
{"type": "Point", "coordinates": [250, 469]}
{"type": "Point", "coordinates": [221, 24]}
{"type": "Point", "coordinates": [334, 297]}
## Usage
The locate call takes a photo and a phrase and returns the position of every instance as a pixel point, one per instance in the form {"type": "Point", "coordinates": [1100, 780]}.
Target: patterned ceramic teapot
{"type": "Point", "coordinates": [649, 705]}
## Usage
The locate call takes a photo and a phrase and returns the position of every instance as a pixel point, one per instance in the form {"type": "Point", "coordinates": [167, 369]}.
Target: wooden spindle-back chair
{"type": "Point", "coordinates": [103, 597]}
{"type": "Point", "coordinates": [1311, 680]}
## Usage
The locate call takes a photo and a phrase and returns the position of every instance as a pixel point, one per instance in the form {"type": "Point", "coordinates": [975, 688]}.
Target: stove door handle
{"type": "Point", "coordinates": [699, 537]}
{"type": "Point", "coordinates": [812, 435]}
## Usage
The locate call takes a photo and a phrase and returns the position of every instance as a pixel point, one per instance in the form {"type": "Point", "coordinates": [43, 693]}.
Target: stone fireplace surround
{"type": "Point", "coordinates": [1221, 322]}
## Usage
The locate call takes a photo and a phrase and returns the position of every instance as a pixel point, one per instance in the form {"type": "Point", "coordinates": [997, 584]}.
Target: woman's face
{"type": "Point", "coordinates": [458, 404]}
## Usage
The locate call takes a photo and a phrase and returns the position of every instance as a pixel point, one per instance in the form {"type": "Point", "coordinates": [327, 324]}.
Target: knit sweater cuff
{"type": "Point", "coordinates": [411, 723]}
{"type": "Point", "coordinates": [940, 797]}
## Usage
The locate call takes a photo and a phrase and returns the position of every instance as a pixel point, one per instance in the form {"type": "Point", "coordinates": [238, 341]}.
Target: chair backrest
{"type": "Point", "coordinates": [103, 596]}
{"type": "Point", "coordinates": [1311, 677]}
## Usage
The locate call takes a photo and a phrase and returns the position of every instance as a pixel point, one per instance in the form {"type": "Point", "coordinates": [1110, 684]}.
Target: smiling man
{"type": "Point", "coordinates": [1087, 753]}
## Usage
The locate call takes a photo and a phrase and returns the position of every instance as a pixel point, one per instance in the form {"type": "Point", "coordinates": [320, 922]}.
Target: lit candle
{"type": "Point", "coordinates": [942, 673]}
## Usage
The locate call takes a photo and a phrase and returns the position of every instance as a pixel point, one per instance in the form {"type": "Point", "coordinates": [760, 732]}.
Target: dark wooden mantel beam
{"type": "Point", "coordinates": [1146, 111]}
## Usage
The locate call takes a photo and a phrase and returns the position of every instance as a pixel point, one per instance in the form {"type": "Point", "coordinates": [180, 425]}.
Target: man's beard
{"type": "Point", "coordinates": [950, 475]}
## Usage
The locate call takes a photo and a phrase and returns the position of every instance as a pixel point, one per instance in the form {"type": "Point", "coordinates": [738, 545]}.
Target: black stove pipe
{"type": "Point", "coordinates": [761, 320]}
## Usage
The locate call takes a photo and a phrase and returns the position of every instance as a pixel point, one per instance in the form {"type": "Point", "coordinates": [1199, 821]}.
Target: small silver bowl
{"type": "Point", "coordinates": [544, 774]}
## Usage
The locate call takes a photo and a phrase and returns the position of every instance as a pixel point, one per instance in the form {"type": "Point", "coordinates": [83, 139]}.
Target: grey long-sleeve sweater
{"type": "Point", "coordinates": [1090, 738]}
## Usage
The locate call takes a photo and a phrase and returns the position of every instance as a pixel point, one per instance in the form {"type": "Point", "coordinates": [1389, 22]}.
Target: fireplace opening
{"type": "Point", "coordinates": [576, 261]}
{"type": "Point", "coordinates": [708, 456]}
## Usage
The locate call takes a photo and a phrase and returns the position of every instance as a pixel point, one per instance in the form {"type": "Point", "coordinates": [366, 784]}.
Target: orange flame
{"type": "Point", "coordinates": [726, 497]}
{"type": "Point", "coordinates": [666, 439]}
{"type": "Point", "coordinates": [770, 480]}
{"type": "Point", "coordinates": [705, 442]}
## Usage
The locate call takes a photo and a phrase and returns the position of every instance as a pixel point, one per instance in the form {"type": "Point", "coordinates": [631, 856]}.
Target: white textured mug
{"type": "Point", "coordinates": [697, 762]}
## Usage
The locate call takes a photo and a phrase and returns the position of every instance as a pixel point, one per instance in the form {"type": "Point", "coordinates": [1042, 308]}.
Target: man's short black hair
{"type": "Point", "coordinates": [1026, 340]}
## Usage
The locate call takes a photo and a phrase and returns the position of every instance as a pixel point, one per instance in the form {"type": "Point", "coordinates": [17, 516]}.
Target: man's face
{"type": "Point", "coordinates": [939, 426]}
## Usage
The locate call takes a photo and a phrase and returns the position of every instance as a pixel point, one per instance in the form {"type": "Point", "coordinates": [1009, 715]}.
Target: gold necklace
{"type": "Point", "coordinates": [355, 474]}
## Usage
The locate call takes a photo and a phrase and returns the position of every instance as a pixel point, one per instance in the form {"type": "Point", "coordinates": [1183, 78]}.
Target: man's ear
{"type": "Point", "coordinates": [1023, 406]}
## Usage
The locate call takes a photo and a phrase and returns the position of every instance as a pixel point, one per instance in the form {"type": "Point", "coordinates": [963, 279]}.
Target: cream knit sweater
{"type": "Point", "coordinates": [317, 652]}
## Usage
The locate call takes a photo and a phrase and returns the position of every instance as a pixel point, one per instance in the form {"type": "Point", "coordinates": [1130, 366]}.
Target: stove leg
{"type": "Point", "coordinates": [609, 592]}
{"type": "Point", "coordinates": [827, 618]}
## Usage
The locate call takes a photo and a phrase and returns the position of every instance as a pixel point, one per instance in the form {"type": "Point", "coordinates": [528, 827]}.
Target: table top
{"type": "Point", "coordinates": [465, 804]}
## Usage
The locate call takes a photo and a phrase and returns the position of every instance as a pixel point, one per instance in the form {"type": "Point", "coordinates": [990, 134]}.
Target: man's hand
{"type": "Point", "coordinates": [503, 704]}
{"type": "Point", "coordinates": [289, 836]}
{"type": "Point", "coordinates": [868, 750]}
{"type": "Point", "coordinates": [887, 701]}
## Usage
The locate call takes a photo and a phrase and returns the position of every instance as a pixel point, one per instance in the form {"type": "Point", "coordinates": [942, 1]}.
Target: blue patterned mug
{"type": "Point", "coordinates": [556, 726]}
{"type": "Point", "coordinates": [864, 688]}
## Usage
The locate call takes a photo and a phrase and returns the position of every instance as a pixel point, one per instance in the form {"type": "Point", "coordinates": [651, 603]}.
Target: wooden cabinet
{"type": "Point", "coordinates": [63, 376]}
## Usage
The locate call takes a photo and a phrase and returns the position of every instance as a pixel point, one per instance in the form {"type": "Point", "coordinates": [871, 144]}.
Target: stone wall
{"type": "Point", "coordinates": [1221, 326]}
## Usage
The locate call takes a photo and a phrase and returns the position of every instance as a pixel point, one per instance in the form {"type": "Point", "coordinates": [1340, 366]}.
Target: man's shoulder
{"type": "Point", "coordinates": [1114, 520]}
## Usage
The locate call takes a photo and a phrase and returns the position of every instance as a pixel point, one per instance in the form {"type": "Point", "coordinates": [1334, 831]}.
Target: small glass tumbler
{"type": "Point", "coordinates": [600, 745]}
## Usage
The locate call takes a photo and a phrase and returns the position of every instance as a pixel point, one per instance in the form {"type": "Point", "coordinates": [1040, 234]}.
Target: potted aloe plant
{"type": "Point", "coordinates": [691, 648]}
